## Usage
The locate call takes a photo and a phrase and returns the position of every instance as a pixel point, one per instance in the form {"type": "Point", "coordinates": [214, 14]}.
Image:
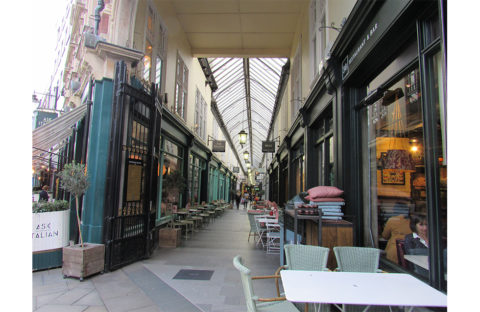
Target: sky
{"type": "Point", "coordinates": [43, 36]}
{"type": "Point", "coordinates": [28, 41]}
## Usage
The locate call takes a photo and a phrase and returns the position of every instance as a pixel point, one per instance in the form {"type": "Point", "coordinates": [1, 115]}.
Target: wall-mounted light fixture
{"type": "Point", "coordinates": [332, 25]}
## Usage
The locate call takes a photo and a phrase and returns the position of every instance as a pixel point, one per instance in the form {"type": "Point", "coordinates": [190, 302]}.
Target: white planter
{"type": "Point", "coordinates": [50, 230]}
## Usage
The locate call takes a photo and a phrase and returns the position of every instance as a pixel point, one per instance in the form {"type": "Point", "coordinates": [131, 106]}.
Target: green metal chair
{"type": "Point", "coordinates": [254, 303]}
{"type": "Point", "coordinates": [356, 259]}
{"type": "Point", "coordinates": [307, 258]}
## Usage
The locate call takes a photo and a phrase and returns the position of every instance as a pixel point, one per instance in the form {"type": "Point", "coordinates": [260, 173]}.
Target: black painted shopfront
{"type": "Point", "coordinates": [374, 125]}
{"type": "Point", "coordinates": [393, 120]}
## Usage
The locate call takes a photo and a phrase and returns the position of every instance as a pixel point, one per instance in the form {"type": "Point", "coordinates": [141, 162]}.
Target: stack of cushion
{"type": "Point", "coordinates": [328, 200]}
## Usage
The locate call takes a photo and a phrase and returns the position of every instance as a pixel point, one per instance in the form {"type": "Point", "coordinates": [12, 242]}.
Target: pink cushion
{"type": "Point", "coordinates": [324, 191]}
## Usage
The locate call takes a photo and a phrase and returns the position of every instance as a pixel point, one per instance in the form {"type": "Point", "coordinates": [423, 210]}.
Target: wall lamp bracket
{"type": "Point", "coordinates": [210, 138]}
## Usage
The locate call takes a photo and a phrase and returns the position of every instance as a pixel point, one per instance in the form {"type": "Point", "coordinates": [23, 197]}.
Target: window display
{"type": "Point", "coordinates": [173, 182]}
{"type": "Point", "coordinates": [395, 158]}
{"type": "Point", "coordinates": [396, 163]}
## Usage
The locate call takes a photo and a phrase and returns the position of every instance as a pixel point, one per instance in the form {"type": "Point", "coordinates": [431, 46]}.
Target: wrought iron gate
{"type": "Point", "coordinates": [131, 191]}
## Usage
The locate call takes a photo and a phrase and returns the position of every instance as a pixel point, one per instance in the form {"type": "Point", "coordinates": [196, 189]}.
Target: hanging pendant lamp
{"type": "Point", "coordinates": [243, 137]}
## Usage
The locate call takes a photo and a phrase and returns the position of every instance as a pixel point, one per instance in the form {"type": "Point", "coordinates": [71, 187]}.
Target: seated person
{"type": "Point", "coordinates": [395, 228]}
{"type": "Point", "coordinates": [416, 243]}
{"type": "Point", "coordinates": [43, 195]}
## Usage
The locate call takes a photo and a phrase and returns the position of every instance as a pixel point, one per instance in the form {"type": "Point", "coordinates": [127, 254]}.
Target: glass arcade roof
{"type": "Point", "coordinates": [245, 98]}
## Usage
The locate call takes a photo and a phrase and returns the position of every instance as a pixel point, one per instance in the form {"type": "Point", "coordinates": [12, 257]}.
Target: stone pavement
{"type": "Point", "coordinates": [149, 285]}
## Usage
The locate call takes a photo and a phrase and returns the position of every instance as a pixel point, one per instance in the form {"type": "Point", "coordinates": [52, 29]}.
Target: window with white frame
{"type": "Point", "coordinates": [160, 57]}
{"type": "Point", "coordinates": [318, 36]}
{"type": "Point", "coordinates": [181, 87]}
{"type": "Point", "coordinates": [155, 49]}
{"type": "Point", "coordinates": [200, 115]}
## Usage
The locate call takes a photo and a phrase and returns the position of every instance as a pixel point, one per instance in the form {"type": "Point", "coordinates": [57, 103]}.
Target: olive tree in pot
{"type": "Point", "coordinates": [79, 260]}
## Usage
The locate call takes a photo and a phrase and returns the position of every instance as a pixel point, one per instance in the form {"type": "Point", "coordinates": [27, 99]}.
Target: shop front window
{"type": "Point", "coordinates": [397, 167]}
{"type": "Point", "coordinates": [172, 178]}
{"type": "Point", "coordinates": [298, 165]}
{"type": "Point", "coordinates": [324, 148]}
{"type": "Point", "coordinates": [396, 178]}
{"type": "Point", "coordinates": [196, 167]}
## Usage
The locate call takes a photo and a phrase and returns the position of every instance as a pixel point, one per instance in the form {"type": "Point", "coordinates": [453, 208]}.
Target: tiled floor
{"type": "Point", "coordinates": [149, 285]}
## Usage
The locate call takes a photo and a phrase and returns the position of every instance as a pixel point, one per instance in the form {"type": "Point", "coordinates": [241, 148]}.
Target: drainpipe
{"type": "Point", "coordinates": [98, 9]}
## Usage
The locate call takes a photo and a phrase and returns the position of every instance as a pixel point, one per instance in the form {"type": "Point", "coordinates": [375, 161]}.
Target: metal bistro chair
{"type": "Point", "coordinates": [307, 258]}
{"type": "Point", "coordinates": [261, 229]}
{"type": "Point", "coordinates": [253, 226]}
{"type": "Point", "coordinates": [356, 259]}
{"type": "Point", "coordinates": [273, 238]}
{"type": "Point", "coordinates": [254, 303]}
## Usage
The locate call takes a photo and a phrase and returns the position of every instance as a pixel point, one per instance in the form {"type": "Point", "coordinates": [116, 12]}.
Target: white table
{"type": "Point", "coordinates": [386, 289]}
{"type": "Point", "coordinates": [419, 260]}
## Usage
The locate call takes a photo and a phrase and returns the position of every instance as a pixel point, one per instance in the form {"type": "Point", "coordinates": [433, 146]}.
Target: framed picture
{"type": "Point", "coordinates": [382, 160]}
{"type": "Point", "coordinates": [393, 177]}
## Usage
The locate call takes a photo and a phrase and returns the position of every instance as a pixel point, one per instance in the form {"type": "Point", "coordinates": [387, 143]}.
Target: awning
{"type": "Point", "coordinates": [52, 136]}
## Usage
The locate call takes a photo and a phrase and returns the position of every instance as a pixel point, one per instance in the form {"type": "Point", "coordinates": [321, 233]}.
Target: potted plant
{"type": "Point", "coordinates": [80, 260]}
{"type": "Point", "coordinates": [173, 185]}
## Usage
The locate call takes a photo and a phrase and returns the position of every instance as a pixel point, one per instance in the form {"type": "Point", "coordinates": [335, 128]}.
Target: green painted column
{"type": "Point", "coordinates": [98, 142]}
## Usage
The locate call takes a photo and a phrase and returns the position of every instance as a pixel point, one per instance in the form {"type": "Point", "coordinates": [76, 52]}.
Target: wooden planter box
{"type": "Point", "coordinates": [168, 237]}
{"type": "Point", "coordinates": [82, 262]}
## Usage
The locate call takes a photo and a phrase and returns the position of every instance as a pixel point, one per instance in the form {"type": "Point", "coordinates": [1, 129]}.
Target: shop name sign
{"type": "Point", "coordinates": [349, 60]}
{"type": "Point", "coordinates": [44, 117]}
{"type": "Point", "coordinates": [236, 169]}
{"type": "Point", "coordinates": [380, 24]}
{"type": "Point", "coordinates": [218, 146]}
{"type": "Point", "coordinates": [268, 146]}
{"type": "Point", "coordinates": [50, 230]}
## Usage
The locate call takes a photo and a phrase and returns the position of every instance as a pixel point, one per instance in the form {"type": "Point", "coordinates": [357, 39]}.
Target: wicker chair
{"type": "Point", "coordinates": [254, 303]}
{"type": "Point", "coordinates": [307, 258]}
{"type": "Point", "coordinates": [356, 259]}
